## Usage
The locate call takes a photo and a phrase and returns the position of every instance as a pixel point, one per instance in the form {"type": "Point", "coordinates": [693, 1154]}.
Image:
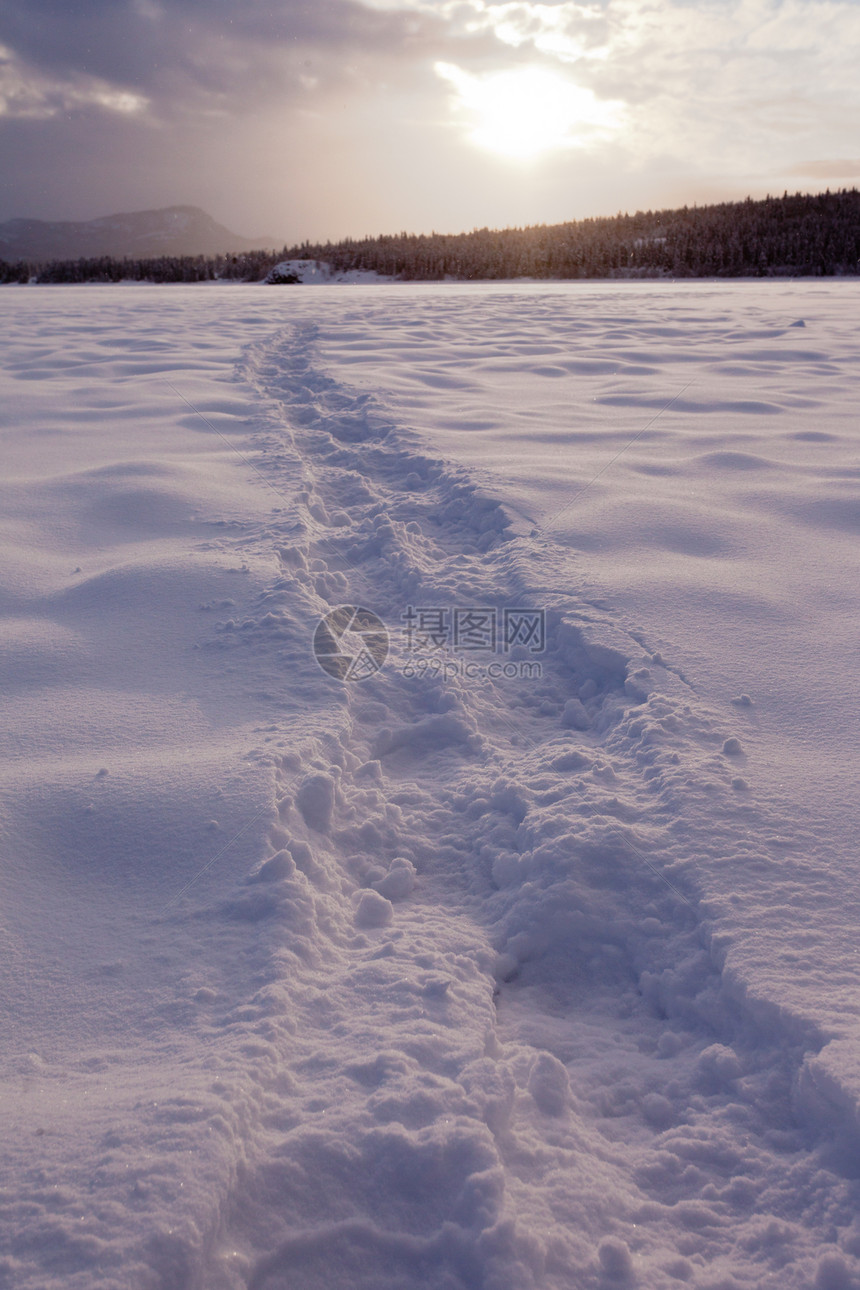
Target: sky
{"type": "Point", "coordinates": [336, 118]}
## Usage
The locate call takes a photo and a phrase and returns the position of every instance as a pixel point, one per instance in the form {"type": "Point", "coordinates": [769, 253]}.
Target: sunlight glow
{"type": "Point", "coordinates": [528, 111]}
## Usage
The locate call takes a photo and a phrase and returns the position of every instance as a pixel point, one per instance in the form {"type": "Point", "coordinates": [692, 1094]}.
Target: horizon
{"type": "Point", "coordinates": [275, 246]}
{"type": "Point", "coordinates": [301, 125]}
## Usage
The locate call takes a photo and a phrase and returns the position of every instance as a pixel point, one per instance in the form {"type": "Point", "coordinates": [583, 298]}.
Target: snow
{"type": "Point", "coordinates": [500, 967]}
{"type": "Point", "coordinates": [317, 273]}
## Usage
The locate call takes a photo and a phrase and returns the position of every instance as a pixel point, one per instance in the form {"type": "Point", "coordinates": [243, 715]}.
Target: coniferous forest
{"type": "Point", "coordinates": [788, 236]}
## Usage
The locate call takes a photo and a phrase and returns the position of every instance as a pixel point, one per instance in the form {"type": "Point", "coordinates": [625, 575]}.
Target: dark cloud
{"type": "Point", "coordinates": [165, 49]}
{"type": "Point", "coordinates": [225, 88]}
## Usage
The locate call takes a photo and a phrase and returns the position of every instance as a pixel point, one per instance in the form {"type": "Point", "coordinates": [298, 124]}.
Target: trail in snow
{"type": "Point", "coordinates": [624, 1110]}
{"type": "Point", "coordinates": [458, 993]}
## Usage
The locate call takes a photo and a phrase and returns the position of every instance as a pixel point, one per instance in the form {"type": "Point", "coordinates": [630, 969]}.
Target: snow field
{"type": "Point", "coordinates": [481, 984]}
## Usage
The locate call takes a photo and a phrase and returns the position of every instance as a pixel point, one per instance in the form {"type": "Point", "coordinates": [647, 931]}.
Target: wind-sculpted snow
{"type": "Point", "coordinates": [452, 976]}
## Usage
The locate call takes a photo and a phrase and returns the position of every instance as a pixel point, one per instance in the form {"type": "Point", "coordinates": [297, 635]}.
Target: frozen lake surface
{"type": "Point", "coordinates": [524, 959]}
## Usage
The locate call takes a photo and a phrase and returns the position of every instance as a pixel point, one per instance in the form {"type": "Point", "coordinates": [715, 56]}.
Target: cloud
{"type": "Point", "coordinates": [195, 50]}
{"type": "Point", "coordinates": [724, 87]}
{"type": "Point", "coordinates": [332, 108]}
{"type": "Point", "coordinates": [714, 80]}
{"type": "Point", "coordinates": [30, 94]}
{"type": "Point", "coordinates": [566, 31]}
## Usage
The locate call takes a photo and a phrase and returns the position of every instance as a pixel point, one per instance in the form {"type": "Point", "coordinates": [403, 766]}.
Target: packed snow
{"type": "Point", "coordinates": [428, 813]}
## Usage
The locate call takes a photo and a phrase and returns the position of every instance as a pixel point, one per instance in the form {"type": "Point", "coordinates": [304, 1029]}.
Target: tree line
{"type": "Point", "coordinates": [249, 267]}
{"type": "Point", "coordinates": [788, 236]}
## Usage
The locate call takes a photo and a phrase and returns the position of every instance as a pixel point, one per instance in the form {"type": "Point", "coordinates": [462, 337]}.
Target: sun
{"type": "Point", "coordinates": [527, 111]}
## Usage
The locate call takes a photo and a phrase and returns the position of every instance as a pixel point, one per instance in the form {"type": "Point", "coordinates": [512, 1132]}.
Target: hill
{"type": "Point", "coordinates": [174, 230]}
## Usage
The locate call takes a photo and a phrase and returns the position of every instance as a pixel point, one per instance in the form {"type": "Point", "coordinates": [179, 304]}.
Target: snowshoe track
{"type": "Point", "coordinates": [494, 990]}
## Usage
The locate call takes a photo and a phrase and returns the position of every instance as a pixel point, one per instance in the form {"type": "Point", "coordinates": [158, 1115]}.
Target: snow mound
{"type": "Point", "coordinates": [317, 272]}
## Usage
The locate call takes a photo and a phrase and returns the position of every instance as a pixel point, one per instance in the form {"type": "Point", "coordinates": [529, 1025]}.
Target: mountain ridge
{"type": "Point", "coordinates": [168, 230]}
